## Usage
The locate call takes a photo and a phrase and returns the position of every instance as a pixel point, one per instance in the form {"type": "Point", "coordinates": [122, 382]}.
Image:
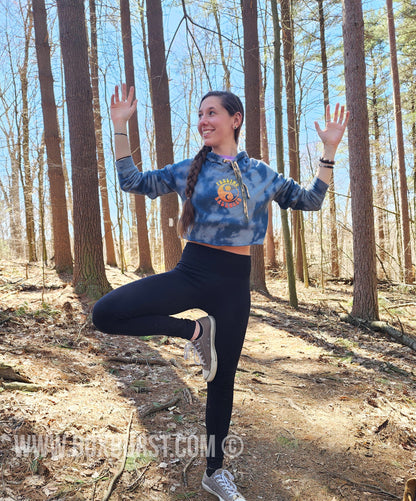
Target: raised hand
{"type": "Point", "coordinates": [334, 129]}
{"type": "Point", "coordinates": [122, 109]}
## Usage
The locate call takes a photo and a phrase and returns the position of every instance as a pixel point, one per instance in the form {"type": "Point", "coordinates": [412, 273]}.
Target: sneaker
{"type": "Point", "coordinates": [204, 347]}
{"type": "Point", "coordinates": [221, 485]}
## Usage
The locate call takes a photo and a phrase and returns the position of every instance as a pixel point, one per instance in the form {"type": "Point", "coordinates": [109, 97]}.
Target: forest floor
{"type": "Point", "coordinates": [323, 411]}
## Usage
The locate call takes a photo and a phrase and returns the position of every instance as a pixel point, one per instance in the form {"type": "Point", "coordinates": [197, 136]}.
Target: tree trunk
{"type": "Point", "coordinates": [252, 93]}
{"type": "Point", "coordinates": [60, 227]}
{"type": "Point", "coordinates": [365, 304]}
{"type": "Point", "coordinates": [288, 56]}
{"type": "Point", "coordinates": [26, 172]}
{"type": "Point", "coordinates": [163, 129]}
{"type": "Point", "coordinates": [89, 272]}
{"type": "Point", "coordinates": [269, 241]}
{"type": "Point", "coordinates": [227, 73]}
{"type": "Point", "coordinates": [41, 197]}
{"type": "Point", "coordinates": [145, 260]}
{"type": "Point", "coordinates": [413, 136]}
{"type": "Point", "coordinates": [102, 179]}
{"type": "Point", "coordinates": [379, 175]}
{"type": "Point", "coordinates": [291, 278]}
{"type": "Point", "coordinates": [331, 194]}
{"type": "Point", "coordinates": [15, 210]}
{"type": "Point", "coordinates": [407, 249]}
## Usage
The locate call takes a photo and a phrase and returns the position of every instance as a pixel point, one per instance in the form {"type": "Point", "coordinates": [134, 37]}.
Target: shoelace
{"type": "Point", "coordinates": [191, 347]}
{"type": "Point", "coordinates": [225, 479]}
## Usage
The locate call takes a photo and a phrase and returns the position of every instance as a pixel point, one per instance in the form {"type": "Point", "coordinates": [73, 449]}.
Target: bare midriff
{"type": "Point", "coordinates": [244, 250]}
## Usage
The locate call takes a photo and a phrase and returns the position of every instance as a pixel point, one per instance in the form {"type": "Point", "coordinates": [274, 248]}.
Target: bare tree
{"type": "Point", "coordinates": [331, 194]}
{"type": "Point", "coordinates": [89, 272]}
{"type": "Point", "coordinates": [60, 229]}
{"type": "Point", "coordinates": [26, 174]}
{"type": "Point", "coordinates": [365, 304]}
{"type": "Point", "coordinates": [252, 93]}
{"type": "Point", "coordinates": [294, 170]}
{"type": "Point", "coordinates": [407, 249]}
{"type": "Point", "coordinates": [108, 227]}
{"type": "Point", "coordinates": [291, 278]}
{"type": "Point", "coordinates": [163, 129]}
{"type": "Point", "coordinates": [145, 264]}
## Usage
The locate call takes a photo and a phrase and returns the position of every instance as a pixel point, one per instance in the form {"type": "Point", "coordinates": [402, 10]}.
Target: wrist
{"type": "Point", "coordinates": [329, 152]}
{"type": "Point", "coordinates": [120, 127]}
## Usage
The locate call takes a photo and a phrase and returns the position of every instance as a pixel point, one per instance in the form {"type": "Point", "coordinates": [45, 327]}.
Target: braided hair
{"type": "Point", "coordinates": [233, 105]}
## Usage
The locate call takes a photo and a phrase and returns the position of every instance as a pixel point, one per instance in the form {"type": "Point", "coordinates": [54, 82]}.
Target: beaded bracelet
{"type": "Point", "coordinates": [329, 164]}
{"type": "Point", "coordinates": [325, 161]}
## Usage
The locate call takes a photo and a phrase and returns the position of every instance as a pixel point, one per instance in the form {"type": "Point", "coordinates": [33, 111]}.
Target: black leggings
{"type": "Point", "coordinates": [215, 281]}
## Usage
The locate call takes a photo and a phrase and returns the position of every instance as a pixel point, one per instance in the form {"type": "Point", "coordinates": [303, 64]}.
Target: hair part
{"type": "Point", "coordinates": [233, 105]}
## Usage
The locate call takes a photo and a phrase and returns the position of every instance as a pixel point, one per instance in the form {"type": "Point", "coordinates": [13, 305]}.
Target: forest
{"type": "Point", "coordinates": [326, 387]}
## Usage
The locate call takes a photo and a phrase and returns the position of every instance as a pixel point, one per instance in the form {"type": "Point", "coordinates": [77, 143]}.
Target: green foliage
{"type": "Point", "coordinates": [139, 459]}
{"type": "Point", "coordinates": [45, 312]}
{"type": "Point", "coordinates": [287, 442]}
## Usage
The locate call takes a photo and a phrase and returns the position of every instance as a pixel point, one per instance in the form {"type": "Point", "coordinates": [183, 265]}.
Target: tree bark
{"type": "Point", "coordinates": [291, 278]}
{"type": "Point", "coordinates": [288, 56]}
{"type": "Point", "coordinates": [89, 272]}
{"type": "Point", "coordinates": [252, 93]}
{"type": "Point", "coordinates": [269, 241]}
{"type": "Point", "coordinates": [60, 227]}
{"type": "Point", "coordinates": [26, 171]}
{"type": "Point", "coordinates": [407, 248]}
{"type": "Point", "coordinates": [102, 179]}
{"type": "Point", "coordinates": [378, 168]}
{"type": "Point", "coordinates": [145, 260]}
{"type": "Point", "coordinates": [365, 304]}
{"type": "Point", "coordinates": [163, 129]}
{"type": "Point", "coordinates": [227, 73]}
{"type": "Point", "coordinates": [331, 195]}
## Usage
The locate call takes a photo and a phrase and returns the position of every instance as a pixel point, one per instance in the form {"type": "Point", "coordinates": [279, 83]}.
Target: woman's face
{"type": "Point", "coordinates": [216, 126]}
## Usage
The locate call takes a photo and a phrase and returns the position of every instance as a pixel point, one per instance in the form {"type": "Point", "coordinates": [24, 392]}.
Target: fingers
{"type": "Point", "coordinates": [129, 99]}
{"type": "Point", "coordinates": [347, 117]}
{"type": "Point", "coordinates": [131, 95]}
{"type": "Point", "coordinates": [341, 116]}
{"type": "Point", "coordinates": [336, 112]}
{"type": "Point", "coordinates": [318, 129]}
{"type": "Point", "coordinates": [328, 113]}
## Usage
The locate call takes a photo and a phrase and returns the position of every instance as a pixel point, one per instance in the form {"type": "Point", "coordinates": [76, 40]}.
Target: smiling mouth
{"type": "Point", "coordinates": [206, 132]}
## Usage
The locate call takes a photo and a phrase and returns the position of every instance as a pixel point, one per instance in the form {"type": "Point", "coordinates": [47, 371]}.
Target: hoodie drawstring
{"type": "Point", "coordinates": [244, 190]}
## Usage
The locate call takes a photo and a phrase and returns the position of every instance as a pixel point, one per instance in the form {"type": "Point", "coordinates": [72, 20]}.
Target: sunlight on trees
{"type": "Point", "coordinates": [201, 45]}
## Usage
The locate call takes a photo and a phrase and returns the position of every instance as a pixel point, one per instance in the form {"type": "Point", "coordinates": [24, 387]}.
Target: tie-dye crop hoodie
{"type": "Point", "coordinates": [230, 198]}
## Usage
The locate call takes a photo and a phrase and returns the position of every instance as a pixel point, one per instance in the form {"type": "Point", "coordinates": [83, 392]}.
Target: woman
{"type": "Point", "coordinates": [226, 195]}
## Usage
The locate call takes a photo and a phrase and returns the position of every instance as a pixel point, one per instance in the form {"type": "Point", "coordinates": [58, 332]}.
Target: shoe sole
{"type": "Point", "coordinates": [214, 362]}
{"type": "Point", "coordinates": [205, 486]}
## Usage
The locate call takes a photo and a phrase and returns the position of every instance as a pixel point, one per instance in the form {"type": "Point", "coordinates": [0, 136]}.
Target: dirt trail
{"type": "Point", "coordinates": [323, 411]}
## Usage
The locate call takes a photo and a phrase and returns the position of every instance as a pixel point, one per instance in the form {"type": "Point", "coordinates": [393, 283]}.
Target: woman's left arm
{"type": "Point", "coordinates": [331, 137]}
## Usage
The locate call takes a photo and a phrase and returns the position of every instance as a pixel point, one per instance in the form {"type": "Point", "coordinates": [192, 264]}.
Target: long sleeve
{"type": "Point", "coordinates": [291, 194]}
{"type": "Point", "coordinates": [151, 183]}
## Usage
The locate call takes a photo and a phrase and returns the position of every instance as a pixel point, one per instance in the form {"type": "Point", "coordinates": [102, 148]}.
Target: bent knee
{"type": "Point", "coordinates": [102, 317]}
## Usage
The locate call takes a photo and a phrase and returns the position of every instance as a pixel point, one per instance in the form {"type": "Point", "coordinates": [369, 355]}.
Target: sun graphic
{"type": "Point", "coordinates": [228, 193]}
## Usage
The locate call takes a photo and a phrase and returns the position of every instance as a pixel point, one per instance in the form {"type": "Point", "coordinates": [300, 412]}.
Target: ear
{"type": "Point", "coordinates": [237, 120]}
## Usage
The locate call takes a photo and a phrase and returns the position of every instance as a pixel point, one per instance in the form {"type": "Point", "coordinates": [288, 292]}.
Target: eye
{"type": "Point", "coordinates": [212, 112]}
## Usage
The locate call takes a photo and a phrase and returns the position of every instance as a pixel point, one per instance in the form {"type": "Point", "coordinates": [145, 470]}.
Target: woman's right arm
{"type": "Point", "coordinates": [121, 112]}
{"type": "Point", "coordinates": [151, 183]}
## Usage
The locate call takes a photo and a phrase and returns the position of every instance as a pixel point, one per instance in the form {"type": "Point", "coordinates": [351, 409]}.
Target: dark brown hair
{"type": "Point", "coordinates": [233, 105]}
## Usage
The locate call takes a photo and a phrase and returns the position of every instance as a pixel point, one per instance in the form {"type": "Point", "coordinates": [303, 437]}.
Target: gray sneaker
{"type": "Point", "coordinates": [221, 484]}
{"type": "Point", "coordinates": [204, 347]}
